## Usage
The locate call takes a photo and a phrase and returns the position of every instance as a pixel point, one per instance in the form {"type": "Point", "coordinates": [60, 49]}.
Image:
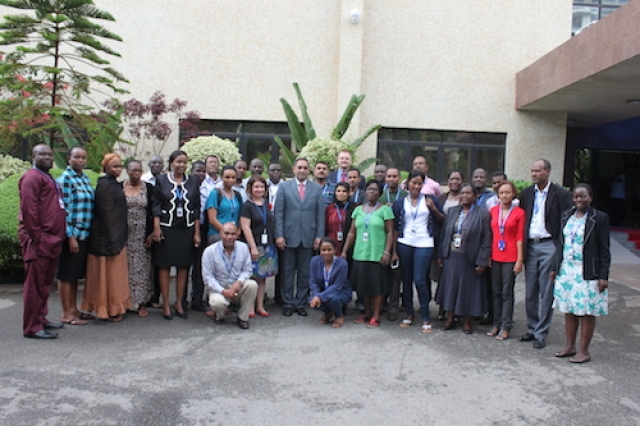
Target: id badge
{"type": "Point", "coordinates": [502, 245]}
{"type": "Point", "coordinates": [264, 239]}
{"type": "Point", "coordinates": [456, 242]}
{"type": "Point", "coordinates": [413, 231]}
{"type": "Point", "coordinates": [61, 202]}
{"type": "Point", "coordinates": [365, 236]}
{"type": "Point", "coordinates": [179, 212]}
{"type": "Point", "coordinates": [339, 236]}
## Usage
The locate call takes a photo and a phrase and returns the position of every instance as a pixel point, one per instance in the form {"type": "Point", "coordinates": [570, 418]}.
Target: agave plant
{"type": "Point", "coordinates": [301, 134]}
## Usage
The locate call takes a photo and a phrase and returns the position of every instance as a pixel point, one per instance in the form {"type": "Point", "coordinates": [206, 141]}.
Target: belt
{"type": "Point", "coordinates": [540, 240]}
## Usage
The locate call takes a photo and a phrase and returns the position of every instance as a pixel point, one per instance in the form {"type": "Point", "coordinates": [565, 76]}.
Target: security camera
{"type": "Point", "coordinates": [355, 16]}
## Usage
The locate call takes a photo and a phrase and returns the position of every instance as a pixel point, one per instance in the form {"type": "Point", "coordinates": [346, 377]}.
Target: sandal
{"type": "Point", "coordinates": [85, 317]}
{"type": "Point", "coordinates": [116, 318]}
{"type": "Point", "coordinates": [427, 328]}
{"type": "Point", "coordinates": [143, 313]}
{"type": "Point", "coordinates": [504, 335]}
{"type": "Point", "coordinates": [338, 322]}
{"type": "Point", "coordinates": [374, 323]}
{"type": "Point", "coordinates": [74, 321]}
{"type": "Point", "coordinates": [361, 319]}
{"type": "Point", "coordinates": [493, 332]}
{"type": "Point", "coordinates": [325, 319]}
{"type": "Point", "coordinates": [407, 322]}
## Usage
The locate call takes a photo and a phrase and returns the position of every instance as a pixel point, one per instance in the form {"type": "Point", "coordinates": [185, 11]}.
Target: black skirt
{"type": "Point", "coordinates": [369, 278]}
{"type": "Point", "coordinates": [72, 266]}
{"type": "Point", "coordinates": [176, 249]}
{"type": "Point", "coordinates": [460, 289]}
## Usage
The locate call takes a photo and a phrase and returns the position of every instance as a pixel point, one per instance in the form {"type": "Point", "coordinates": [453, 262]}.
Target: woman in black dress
{"type": "Point", "coordinates": [176, 227]}
{"type": "Point", "coordinates": [463, 255]}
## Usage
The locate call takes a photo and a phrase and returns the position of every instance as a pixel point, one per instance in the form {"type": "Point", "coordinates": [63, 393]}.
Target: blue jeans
{"type": "Point", "coordinates": [335, 304]}
{"type": "Point", "coordinates": [415, 262]}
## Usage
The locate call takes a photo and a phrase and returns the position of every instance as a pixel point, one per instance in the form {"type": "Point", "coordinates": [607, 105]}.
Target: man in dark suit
{"type": "Point", "coordinates": [299, 216]}
{"type": "Point", "coordinates": [344, 164]}
{"type": "Point", "coordinates": [543, 203]}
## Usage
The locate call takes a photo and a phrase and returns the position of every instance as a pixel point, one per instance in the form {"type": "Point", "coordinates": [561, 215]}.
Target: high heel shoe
{"type": "Point", "coordinates": [179, 314]}
{"type": "Point", "coordinates": [168, 317]}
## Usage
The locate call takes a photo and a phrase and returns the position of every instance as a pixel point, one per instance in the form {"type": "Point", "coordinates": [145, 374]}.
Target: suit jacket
{"type": "Point", "coordinates": [558, 201]}
{"type": "Point", "coordinates": [42, 219]}
{"type": "Point", "coordinates": [478, 237]}
{"type": "Point", "coordinates": [596, 257]}
{"type": "Point", "coordinates": [300, 222]}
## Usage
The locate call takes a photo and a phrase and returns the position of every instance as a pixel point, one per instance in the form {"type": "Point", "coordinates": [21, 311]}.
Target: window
{"type": "Point", "coordinates": [586, 12]}
{"type": "Point", "coordinates": [254, 138]}
{"type": "Point", "coordinates": [444, 150]}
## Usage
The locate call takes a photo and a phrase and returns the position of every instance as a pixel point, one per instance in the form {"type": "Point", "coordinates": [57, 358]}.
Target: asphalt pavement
{"type": "Point", "coordinates": [292, 371]}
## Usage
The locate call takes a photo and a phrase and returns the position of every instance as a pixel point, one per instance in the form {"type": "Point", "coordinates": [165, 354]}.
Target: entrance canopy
{"type": "Point", "coordinates": [594, 76]}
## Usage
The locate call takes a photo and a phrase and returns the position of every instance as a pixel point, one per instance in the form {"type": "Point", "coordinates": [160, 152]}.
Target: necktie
{"type": "Point", "coordinates": [344, 177]}
{"type": "Point", "coordinates": [301, 190]}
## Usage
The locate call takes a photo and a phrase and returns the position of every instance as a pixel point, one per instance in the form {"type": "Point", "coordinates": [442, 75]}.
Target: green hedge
{"type": "Point", "coordinates": [10, 257]}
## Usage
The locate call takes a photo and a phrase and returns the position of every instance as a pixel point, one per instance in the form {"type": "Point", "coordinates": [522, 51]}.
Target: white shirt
{"type": "Point", "coordinates": [273, 193]}
{"type": "Point", "coordinates": [149, 178]}
{"type": "Point", "coordinates": [537, 228]}
{"type": "Point", "coordinates": [421, 237]}
{"type": "Point", "coordinates": [207, 185]}
{"type": "Point", "coordinates": [220, 271]}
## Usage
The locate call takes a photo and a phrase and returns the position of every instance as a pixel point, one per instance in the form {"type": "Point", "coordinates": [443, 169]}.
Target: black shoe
{"type": "Point", "coordinates": [53, 326]}
{"type": "Point", "coordinates": [197, 307]}
{"type": "Point", "coordinates": [44, 335]}
{"type": "Point", "coordinates": [539, 344]}
{"type": "Point", "coordinates": [287, 312]}
{"type": "Point", "coordinates": [179, 314]}
{"type": "Point", "coordinates": [219, 321]}
{"type": "Point", "coordinates": [527, 337]}
{"type": "Point", "coordinates": [302, 312]}
{"type": "Point", "coordinates": [168, 317]}
{"type": "Point", "coordinates": [243, 324]}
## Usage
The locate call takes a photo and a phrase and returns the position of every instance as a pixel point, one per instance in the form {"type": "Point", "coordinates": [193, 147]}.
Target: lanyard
{"type": "Point", "coordinates": [386, 191]}
{"type": "Point", "coordinates": [367, 215]}
{"type": "Point", "coordinates": [502, 221]}
{"type": "Point", "coordinates": [263, 212]}
{"type": "Point", "coordinates": [232, 203]}
{"type": "Point", "coordinates": [462, 218]}
{"type": "Point", "coordinates": [414, 214]}
{"type": "Point", "coordinates": [341, 214]}
{"type": "Point", "coordinates": [573, 232]}
{"type": "Point", "coordinates": [536, 204]}
{"type": "Point", "coordinates": [326, 274]}
{"type": "Point", "coordinates": [229, 265]}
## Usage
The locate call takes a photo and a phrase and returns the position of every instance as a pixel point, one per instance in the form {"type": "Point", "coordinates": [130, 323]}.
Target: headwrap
{"type": "Point", "coordinates": [108, 159]}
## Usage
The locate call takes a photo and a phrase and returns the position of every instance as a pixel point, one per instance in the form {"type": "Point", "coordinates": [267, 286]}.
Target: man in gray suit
{"type": "Point", "coordinates": [299, 214]}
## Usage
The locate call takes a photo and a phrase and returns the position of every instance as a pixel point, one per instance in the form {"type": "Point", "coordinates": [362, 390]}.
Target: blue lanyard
{"type": "Point", "coordinates": [573, 232]}
{"type": "Point", "coordinates": [367, 215]}
{"type": "Point", "coordinates": [415, 213]}
{"type": "Point", "coordinates": [341, 214]}
{"type": "Point", "coordinates": [462, 218]}
{"type": "Point", "coordinates": [229, 266]}
{"type": "Point", "coordinates": [263, 212]}
{"type": "Point", "coordinates": [536, 204]}
{"type": "Point", "coordinates": [502, 221]}
{"type": "Point", "coordinates": [326, 274]}
{"type": "Point", "coordinates": [232, 203]}
{"type": "Point", "coordinates": [386, 191]}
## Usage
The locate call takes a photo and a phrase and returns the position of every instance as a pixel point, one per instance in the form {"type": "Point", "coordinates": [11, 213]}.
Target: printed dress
{"type": "Point", "coordinates": [138, 256]}
{"type": "Point", "coordinates": [573, 294]}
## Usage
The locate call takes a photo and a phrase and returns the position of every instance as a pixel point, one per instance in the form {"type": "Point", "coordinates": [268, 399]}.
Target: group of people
{"type": "Point", "coordinates": [377, 238]}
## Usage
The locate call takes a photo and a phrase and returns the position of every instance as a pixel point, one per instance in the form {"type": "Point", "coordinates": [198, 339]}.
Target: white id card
{"type": "Point", "coordinates": [365, 236]}
{"type": "Point", "coordinates": [339, 236]}
{"type": "Point", "coordinates": [179, 212]}
{"type": "Point", "coordinates": [264, 239]}
{"type": "Point", "coordinates": [456, 242]}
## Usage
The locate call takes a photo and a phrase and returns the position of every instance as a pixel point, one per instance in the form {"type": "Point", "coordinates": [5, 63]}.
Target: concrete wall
{"type": "Point", "coordinates": [437, 64]}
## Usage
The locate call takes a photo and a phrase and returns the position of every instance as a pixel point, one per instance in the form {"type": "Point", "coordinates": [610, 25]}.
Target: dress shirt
{"type": "Point", "coordinates": [273, 193]}
{"type": "Point", "coordinates": [149, 178]}
{"type": "Point", "coordinates": [207, 185]}
{"type": "Point", "coordinates": [215, 261]}
{"type": "Point", "coordinates": [78, 195]}
{"type": "Point", "coordinates": [538, 226]}
{"type": "Point", "coordinates": [431, 187]}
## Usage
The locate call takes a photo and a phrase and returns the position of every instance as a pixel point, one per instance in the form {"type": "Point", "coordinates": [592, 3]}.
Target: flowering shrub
{"type": "Point", "coordinates": [10, 166]}
{"type": "Point", "coordinates": [326, 150]}
{"type": "Point", "coordinates": [198, 149]}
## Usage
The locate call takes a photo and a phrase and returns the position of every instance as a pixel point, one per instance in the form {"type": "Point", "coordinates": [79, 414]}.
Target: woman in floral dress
{"type": "Point", "coordinates": [581, 285]}
{"type": "Point", "coordinates": [140, 223]}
